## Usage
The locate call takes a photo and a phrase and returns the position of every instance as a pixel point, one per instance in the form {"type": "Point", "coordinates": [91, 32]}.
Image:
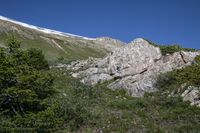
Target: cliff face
{"type": "Point", "coordinates": [133, 67]}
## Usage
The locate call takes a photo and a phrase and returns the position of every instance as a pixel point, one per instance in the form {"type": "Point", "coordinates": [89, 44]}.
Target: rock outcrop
{"type": "Point", "coordinates": [133, 67]}
{"type": "Point", "coordinates": [191, 94]}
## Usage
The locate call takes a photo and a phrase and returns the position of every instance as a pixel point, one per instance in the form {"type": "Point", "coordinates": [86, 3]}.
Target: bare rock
{"type": "Point", "coordinates": [192, 94]}
{"type": "Point", "coordinates": [97, 78]}
{"type": "Point", "coordinates": [83, 64]}
{"type": "Point", "coordinates": [133, 59]}
{"type": "Point", "coordinates": [134, 67]}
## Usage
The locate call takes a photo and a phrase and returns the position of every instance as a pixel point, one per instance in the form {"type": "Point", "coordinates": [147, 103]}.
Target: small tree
{"type": "Point", "coordinates": [24, 81]}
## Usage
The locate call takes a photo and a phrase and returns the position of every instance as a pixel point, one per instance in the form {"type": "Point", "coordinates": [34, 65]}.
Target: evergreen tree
{"type": "Point", "coordinates": [24, 81]}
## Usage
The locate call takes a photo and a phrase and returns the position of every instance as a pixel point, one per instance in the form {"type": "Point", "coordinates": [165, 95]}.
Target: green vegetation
{"type": "Point", "coordinates": [172, 81]}
{"type": "Point", "coordinates": [197, 59]}
{"type": "Point", "coordinates": [89, 109]}
{"type": "Point", "coordinates": [170, 49]}
{"type": "Point", "coordinates": [25, 84]}
{"type": "Point", "coordinates": [54, 48]}
{"type": "Point", "coordinates": [40, 102]}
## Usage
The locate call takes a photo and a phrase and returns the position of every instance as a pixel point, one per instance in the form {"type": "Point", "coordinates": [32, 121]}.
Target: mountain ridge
{"type": "Point", "coordinates": [45, 30]}
{"type": "Point", "coordinates": [55, 44]}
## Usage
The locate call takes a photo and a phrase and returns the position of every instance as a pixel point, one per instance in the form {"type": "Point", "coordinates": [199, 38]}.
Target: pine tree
{"type": "Point", "coordinates": [24, 81]}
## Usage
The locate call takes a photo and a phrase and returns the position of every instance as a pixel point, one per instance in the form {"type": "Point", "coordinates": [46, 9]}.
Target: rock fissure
{"type": "Point", "coordinates": [143, 71]}
{"type": "Point", "coordinates": [183, 58]}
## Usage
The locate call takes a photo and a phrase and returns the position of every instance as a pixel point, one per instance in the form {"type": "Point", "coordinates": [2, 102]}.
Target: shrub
{"type": "Point", "coordinates": [42, 122]}
{"type": "Point", "coordinates": [170, 49]}
{"type": "Point", "coordinates": [172, 81]}
{"type": "Point", "coordinates": [197, 59]}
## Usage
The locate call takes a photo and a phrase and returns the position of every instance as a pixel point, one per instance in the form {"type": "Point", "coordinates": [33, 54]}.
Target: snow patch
{"type": "Point", "coordinates": [45, 30]}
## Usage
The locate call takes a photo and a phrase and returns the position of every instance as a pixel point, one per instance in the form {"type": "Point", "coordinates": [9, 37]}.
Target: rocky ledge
{"type": "Point", "coordinates": [134, 67]}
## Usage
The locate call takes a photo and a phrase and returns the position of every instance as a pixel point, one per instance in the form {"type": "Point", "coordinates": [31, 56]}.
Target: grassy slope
{"type": "Point", "coordinates": [98, 109]}
{"type": "Point", "coordinates": [101, 109]}
{"type": "Point", "coordinates": [51, 52]}
{"type": "Point", "coordinates": [82, 108]}
{"type": "Point", "coordinates": [114, 111]}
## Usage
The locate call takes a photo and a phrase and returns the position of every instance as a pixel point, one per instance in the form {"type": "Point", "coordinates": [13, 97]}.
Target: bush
{"type": "Point", "coordinates": [170, 49]}
{"type": "Point", "coordinates": [172, 81]}
{"type": "Point", "coordinates": [197, 59]}
{"type": "Point", "coordinates": [42, 122]}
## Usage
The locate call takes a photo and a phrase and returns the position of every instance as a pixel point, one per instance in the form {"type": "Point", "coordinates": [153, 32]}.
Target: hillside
{"type": "Point", "coordinates": [139, 87]}
{"type": "Point", "coordinates": [55, 44]}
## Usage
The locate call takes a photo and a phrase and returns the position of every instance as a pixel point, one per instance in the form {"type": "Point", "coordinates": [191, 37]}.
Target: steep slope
{"type": "Point", "coordinates": [54, 43]}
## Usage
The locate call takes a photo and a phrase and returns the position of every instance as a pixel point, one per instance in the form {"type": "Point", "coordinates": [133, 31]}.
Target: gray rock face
{"type": "Point", "coordinates": [96, 78]}
{"type": "Point", "coordinates": [83, 64]}
{"type": "Point", "coordinates": [191, 94]}
{"type": "Point", "coordinates": [133, 67]}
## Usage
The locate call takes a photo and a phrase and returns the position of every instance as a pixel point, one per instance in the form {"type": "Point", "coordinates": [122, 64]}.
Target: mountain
{"type": "Point", "coordinates": [138, 87]}
{"type": "Point", "coordinates": [55, 44]}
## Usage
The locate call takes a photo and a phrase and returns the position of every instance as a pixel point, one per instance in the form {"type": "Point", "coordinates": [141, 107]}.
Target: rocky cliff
{"type": "Point", "coordinates": [134, 67]}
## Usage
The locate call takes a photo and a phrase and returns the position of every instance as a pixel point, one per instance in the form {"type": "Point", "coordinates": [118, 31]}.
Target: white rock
{"type": "Point", "coordinates": [97, 78]}
{"type": "Point", "coordinates": [134, 67]}
{"type": "Point", "coordinates": [192, 94]}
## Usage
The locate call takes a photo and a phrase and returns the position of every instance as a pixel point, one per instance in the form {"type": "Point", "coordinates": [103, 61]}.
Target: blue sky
{"type": "Point", "coordinates": [162, 21]}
